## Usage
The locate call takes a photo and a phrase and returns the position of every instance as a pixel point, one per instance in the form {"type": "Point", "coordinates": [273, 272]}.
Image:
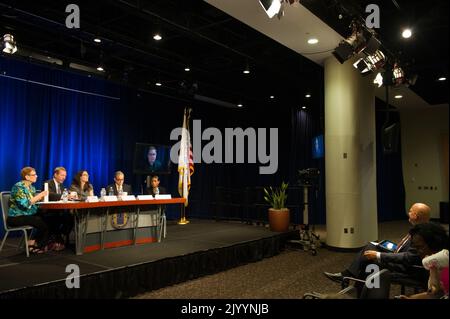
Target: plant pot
{"type": "Point", "coordinates": [279, 219]}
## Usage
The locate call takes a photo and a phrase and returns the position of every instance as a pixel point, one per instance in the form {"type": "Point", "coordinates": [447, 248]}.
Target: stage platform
{"type": "Point", "coordinates": [199, 248]}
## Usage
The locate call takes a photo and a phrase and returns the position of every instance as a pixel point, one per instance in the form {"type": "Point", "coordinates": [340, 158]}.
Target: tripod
{"type": "Point", "coordinates": [308, 238]}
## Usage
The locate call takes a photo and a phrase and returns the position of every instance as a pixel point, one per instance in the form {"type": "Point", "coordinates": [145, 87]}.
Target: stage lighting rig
{"type": "Point", "coordinates": [276, 7]}
{"type": "Point", "coordinates": [8, 44]}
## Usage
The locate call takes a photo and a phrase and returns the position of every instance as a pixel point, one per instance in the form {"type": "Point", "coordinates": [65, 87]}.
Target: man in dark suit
{"type": "Point", "coordinates": [154, 188]}
{"type": "Point", "coordinates": [56, 184]}
{"type": "Point", "coordinates": [402, 260]}
{"type": "Point", "coordinates": [60, 222]}
{"type": "Point", "coordinates": [119, 185]}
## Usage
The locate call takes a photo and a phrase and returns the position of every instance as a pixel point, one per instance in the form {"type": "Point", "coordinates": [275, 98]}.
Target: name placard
{"type": "Point", "coordinates": [128, 197]}
{"type": "Point", "coordinates": [163, 196]}
{"type": "Point", "coordinates": [145, 197]}
{"type": "Point", "coordinates": [110, 198]}
{"type": "Point", "coordinates": [92, 199]}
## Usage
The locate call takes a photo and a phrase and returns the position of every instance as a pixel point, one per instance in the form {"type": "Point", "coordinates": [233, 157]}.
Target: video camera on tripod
{"type": "Point", "coordinates": [309, 180]}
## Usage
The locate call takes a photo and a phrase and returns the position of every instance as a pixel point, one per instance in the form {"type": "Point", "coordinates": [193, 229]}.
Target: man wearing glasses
{"type": "Point", "coordinates": [119, 186]}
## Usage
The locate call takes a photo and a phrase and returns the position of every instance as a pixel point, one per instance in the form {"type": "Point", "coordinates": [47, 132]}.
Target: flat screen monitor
{"type": "Point", "coordinates": [318, 147]}
{"type": "Point", "coordinates": [151, 159]}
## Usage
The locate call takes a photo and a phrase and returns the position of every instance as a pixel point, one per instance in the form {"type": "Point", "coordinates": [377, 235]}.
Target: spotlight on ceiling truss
{"type": "Point", "coordinates": [371, 63]}
{"type": "Point", "coordinates": [361, 40]}
{"type": "Point", "coordinates": [276, 7]}
{"type": "Point", "coordinates": [272, 7]}
{"type": "Point", "coordinates": [398, 75]}
{"type": "Point", "coordinates": [402, 77]}
{"type": "Point", "coordinates": [9, 44]}
{"type": "Point", "coordinates": [395, 75]}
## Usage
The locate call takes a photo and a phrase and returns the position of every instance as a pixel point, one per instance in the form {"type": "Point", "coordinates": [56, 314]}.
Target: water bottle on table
{"type": "Point", "coordinates": [65, 195]}
{"type": "Point", "coordinates": [102, 194]}
{"type": "Point", "coordinates": [110, 191]}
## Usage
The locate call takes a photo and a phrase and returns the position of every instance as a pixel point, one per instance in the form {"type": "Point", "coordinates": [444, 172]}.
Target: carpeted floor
{"type": "Point", "coordinates": [286, 276]}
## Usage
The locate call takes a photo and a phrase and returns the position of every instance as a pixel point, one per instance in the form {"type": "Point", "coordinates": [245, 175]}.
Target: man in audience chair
{"type": "Point", "coordinates": [402, 260]}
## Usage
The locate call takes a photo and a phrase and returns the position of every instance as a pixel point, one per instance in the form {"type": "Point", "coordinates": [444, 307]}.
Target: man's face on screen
{"type": "Point", "coordinates": [151, 156]}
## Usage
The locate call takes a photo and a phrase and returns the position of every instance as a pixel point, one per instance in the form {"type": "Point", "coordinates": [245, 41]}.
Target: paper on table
{"type": "Point", "coordinates": [46, 189]}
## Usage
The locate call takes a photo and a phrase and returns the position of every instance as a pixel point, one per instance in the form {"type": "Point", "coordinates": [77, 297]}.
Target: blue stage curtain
{"type": "Point", "coordinates": [45, 127]}
{"type": "Point", "coordinates": [304, 126]}
{"type": "Point", "coordinates": [390, 185]}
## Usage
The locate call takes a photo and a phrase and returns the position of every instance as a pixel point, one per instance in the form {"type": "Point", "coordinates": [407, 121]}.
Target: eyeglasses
{"type": "Point", "coordinates": [32, 174]}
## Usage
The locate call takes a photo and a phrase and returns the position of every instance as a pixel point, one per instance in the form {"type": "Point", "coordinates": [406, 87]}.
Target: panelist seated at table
{"type": "Point", "coordinates": [119, 185]}
{"type": "Point", "coordinates": [154, 188]}
{"type": "Point", "coordinates": [60, 223]}
{"type": "Point", "coordinates": [81, 186]}
{"type": "Point", "coordinates": [23, 210]}
{"type": "Point", "coordinates": [56, 184]}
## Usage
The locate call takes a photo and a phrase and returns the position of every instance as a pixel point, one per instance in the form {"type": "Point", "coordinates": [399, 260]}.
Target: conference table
{"type": "Point", "coordinates": [89, 212]}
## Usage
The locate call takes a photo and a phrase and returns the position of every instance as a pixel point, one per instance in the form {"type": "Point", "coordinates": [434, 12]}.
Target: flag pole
{"type": "Point", "coordinates": [183, 220]}
{"type": "Point", "coordinates": [185, 169]}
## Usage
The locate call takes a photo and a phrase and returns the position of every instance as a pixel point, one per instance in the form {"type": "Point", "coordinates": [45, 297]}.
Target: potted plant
{"type": "Point", "coordinates": [278, 213]}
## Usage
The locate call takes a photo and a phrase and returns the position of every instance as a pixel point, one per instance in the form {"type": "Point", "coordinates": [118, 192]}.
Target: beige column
{"type": "Point", "coordinates": [350, 156]}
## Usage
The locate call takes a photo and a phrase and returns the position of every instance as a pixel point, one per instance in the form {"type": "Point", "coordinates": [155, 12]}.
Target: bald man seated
{"type": "Point", "coordinates": [402, 260]}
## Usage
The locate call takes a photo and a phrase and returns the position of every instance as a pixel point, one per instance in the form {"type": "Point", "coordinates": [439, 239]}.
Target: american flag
{"type": "Point", "coordinates": [185, 158]}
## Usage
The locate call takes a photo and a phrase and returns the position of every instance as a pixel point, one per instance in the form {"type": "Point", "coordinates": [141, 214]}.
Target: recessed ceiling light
{"type": "Point", "coordinates": [398, 96]}
{"type": "Point", "coordinates": [303, 107]}
{"type": "Point", "coordinates": [407, 33]}
{"type": "Point", "coordinates": [442, 79]}
{"type": "Point", "coordinates": [100, 68]}
{"type": "Point", "coordinates": [246, 71]}
{"type": "Point", "coordinates": [157, 37]}
{"type": "Point", "coordinates": [313, 41]}
{"type": "Point", "coordinates": [272, 97]}
{"type": "Point", "coordinates": [187, 69]}
{"type": "Point", "coordinates": [158, 84]}
{"type": "Point", "coordinates": [98, 40]}
{"type": "Point", "coordinates": [308, 95]}
{"type": "Point", "coordinates": [240, 105]}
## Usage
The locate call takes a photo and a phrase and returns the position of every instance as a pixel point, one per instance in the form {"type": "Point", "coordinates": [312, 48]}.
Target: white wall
{"type": "Point", "coordinates": [424, 136]}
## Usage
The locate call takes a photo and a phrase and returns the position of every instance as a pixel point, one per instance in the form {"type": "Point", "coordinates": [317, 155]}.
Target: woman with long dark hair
{"type": "Point", "coordinates": [81, 185]}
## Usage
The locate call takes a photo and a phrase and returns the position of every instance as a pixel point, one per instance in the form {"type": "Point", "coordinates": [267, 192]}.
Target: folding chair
{"type": "Point", "coordinates": [4, 199]}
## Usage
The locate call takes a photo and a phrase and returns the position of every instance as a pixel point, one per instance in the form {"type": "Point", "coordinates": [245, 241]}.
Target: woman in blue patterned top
{"type": "Point", "coordinates": [23, 208]}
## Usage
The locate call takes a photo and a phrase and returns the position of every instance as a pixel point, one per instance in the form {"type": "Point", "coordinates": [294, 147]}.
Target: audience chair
{"type": "Point", "coordinates": [406, 281]}
{"type": "Point", "coordinates": [381, 292]}
{"type": "Point", "coordinates": [4, 199]}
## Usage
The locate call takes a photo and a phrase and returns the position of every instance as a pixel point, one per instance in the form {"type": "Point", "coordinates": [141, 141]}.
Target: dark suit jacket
{"type": "Point", "coordinates": [162, 190]}
{"type": "Point", "coordinates": [403, 260]}
{"type": "Point", "coordinates": [157, 166]}
{"type": "Point", "coordinates": [52, 195]}
{"type": "Point", "coordinates": [125, 188]}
